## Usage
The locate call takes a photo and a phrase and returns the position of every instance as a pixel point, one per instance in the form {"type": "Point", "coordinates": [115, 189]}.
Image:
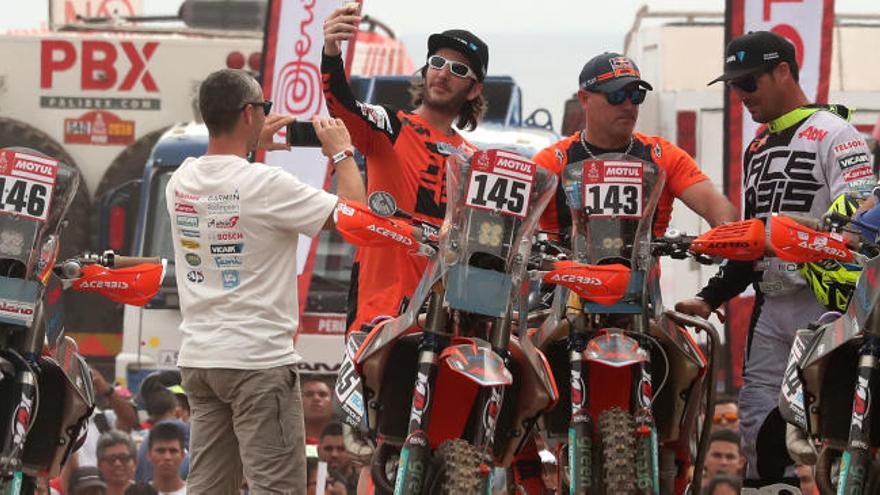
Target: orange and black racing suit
{"type": "Point", "coordinates": [406, 157]}
{"type": "Point", "coordinates": [681, 173]}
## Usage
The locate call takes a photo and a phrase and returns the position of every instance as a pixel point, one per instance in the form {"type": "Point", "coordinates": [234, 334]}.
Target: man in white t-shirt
{"type": "Point", "coordinates": [235, 226]}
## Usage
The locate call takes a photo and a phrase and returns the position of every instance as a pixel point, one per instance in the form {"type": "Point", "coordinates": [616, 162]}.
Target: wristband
{"type": "Point", "coordinates": [342, 155]}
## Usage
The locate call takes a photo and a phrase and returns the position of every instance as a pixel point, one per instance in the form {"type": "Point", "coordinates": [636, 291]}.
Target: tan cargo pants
{"type": "Point", "coordinates": [245, 421]}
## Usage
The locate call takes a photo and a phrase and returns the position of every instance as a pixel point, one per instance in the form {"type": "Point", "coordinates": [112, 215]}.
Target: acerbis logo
{"type": "Point", "coordinates": [390, 234]}
{"type": "Point", "coordinates": [579, 279]}
{"type": "Point", "coordinates": [105, 284]}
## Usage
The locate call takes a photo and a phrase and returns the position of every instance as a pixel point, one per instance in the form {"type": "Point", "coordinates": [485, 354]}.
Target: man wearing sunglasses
{"type": "Point", "coordinates": [804, 157]}
{"type": "Point", "coordinates": [235, 227]}
{"type": "Point", "coordinates": [405, 151]}
{"type": "Point", "coordinates": [610, 92]}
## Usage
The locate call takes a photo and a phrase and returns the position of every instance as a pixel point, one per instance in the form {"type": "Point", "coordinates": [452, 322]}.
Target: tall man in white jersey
{"type": "Point", "coordinates": [235, 226]}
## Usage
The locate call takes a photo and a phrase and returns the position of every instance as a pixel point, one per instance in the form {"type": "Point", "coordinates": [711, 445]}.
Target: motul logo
{"type": "Point", "coordinates": [34, 167]}
{"type": "Point", "coordinates": [105, 284]}
{"type": "Point", "coordinates": [99, 69]}
{"type": "Point", "coordinates": [514, 165]}
{"type": "Point", "coordinates": [812, 134]}
{"type": "Point", "coordinates": [623, 172]}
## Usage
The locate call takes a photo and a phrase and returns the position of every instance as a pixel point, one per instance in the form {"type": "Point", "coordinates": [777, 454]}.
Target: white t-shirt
{"type": "Point", "coordinates": [235, 226]}
{"type": "Point", "coordinates": [182, 491]}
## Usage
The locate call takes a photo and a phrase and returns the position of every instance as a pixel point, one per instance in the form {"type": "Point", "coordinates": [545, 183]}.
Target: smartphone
{"type": "Point", "coordinates": [302, 134]}
{"type": "Point", "coordinates": [354, 8]}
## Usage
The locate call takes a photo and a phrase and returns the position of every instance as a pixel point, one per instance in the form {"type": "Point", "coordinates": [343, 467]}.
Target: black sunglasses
{"type": "Point", "coordinates": [635, 95]}
{"type": "Point", "coordinates": [266, 104]}
{"type": "Point", "coordinates": [457, 68]}
{"type": "Point", "coordinates": [747, 84]}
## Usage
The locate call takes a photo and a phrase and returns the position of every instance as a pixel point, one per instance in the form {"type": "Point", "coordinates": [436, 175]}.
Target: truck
{"type": "Point", "coordinates": [150, 334]}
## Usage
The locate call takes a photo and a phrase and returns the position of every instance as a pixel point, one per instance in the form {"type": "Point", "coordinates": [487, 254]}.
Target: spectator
{"type": "Point", "coordinates": [86, 480]}
{"type": "Point", "coordinates": [317, 407]}
{"type": "Point", "coordinates": [141, 489]}
{"type": "Point", "coordinates": [331, 449]}
{"type": "Point", "coordinates": [116, 461]}
{"type": "Point", "coordinates": [724, 455]}
{"type": "Point", "coordinates": [181, 410]}
{"type": "Point", "coordinates": [726, 413]}
{"type": "Point", "coordinates": [807, 477]}
{"type": "Point", "coordinates": [161, 405]}
{"type": "Point", "coordinates": [238, 292]}
{"type": "Point", "coordinates": [723, 485]}
{"type": "Point", "coordinates": [166, 451]}
{"type": "Point", "coordinates": [333, 486]}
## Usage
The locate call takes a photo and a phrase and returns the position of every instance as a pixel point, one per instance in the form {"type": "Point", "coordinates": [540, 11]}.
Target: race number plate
{"type": "Point", "coordinates": [613, 188]}
{"type": "Point", "coordinates": [500, 181]}
{"type": "Point", "coordinates": [26, 184]}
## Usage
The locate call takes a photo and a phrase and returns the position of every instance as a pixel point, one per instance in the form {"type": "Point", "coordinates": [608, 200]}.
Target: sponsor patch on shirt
{"type": "Point", "coordinates": [853, 160]}
{"type": "Point", "coordinates": [236, 248]}
{"type": "Point", "coordinates": [231, 279]}
{"type": "Point", "coordinates": [195, 276]}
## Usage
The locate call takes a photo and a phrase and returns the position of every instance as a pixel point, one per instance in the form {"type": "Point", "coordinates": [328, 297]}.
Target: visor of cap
{"type": "Point", "coordinates": [612, 85]}
{"type": "Point", "coordinates": [736, 74]}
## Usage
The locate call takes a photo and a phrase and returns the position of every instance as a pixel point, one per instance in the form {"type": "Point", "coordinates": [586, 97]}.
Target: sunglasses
{"type": "Point", "coordinates": [456, 68]}
{"type": "Point", "coordinates": [636, 96]}
{"type": "Point", "coordinates": [747, 84]}
{"type": "Point", "coordinates": [112, 459]}
{"type": "Point", "coordinates": [730, 417]}
{"type": "Point", "coordinates": [266, 104]}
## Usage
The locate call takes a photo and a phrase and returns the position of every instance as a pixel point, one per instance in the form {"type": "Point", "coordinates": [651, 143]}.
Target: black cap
{"type": "Point", "coordinates": [465, 43]}
{"type": "Point", "coordinates": [84, 477]}
{"type": "Point", "coordinates": [755, 52]}
{"type": "Point", "coordinates": [609, 72]}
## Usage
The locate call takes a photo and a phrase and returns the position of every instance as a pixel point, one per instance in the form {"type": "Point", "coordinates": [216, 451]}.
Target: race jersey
{"type": "Point", "coordinates": [681, 172]}
{"type": "Point", "coordinates": [405, 156]}
{"type": "Point", "coordinates": [798, 164]}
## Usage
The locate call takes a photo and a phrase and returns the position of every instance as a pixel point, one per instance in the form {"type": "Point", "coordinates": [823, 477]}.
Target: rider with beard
{"type": "Point", "coordinates": [405, 151]}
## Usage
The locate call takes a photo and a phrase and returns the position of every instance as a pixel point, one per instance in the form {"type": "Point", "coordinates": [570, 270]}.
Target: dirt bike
{"type": "Point", "coordinates": [620, 430]}
{"type": "Point", "coordinates": [446, 389]}
{"type": "Point", "coordinates": [831, 377]}
{"type": "Point", "coordinates": [45, 385]}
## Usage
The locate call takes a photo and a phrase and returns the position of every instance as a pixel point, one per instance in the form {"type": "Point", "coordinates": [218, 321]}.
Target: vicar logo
{"type": "Point", "coordinates": [236, 248]}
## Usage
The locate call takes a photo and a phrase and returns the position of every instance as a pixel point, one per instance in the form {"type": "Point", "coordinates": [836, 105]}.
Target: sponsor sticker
{"type": "Point", "coordinates": [863, 172]}
{"type": "Point", "coordinates": [195, 276]}
{"type": "Point", "coordinates": [227, 261]}
{"type": "Point", "coordinates": [187, 221]}
{"type": "Point", "coordinates": [184, 208]}
{"type": "Point", "coordinates": [193, 259]}
{"type": "Point", "coordinates": [236, 248]}
{"type": "Point", "coordinates": [99, 128]}
{"type": "Point", "coordinates": [26, 184]}
{"type": "Point", "coordinates": [223, 222]}
{"type": "Point", "coordinates": [190, 244]}
{"type": "Point", "coordinates": [228, 236]}
{"type": "Point", "coordinates": [17, 311]}
{"type": "Point", "coordinates": [190, 233]}
{"type": "Point", "coordinates": [853, 160]}
{"type": "Point", "coordinates": [849, 145]}
{"type": "Point", "coordinates": [231, 279]}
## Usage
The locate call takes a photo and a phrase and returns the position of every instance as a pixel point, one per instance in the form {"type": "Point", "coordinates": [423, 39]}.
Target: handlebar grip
{"type": "Point", "coordinates": [126, 261]}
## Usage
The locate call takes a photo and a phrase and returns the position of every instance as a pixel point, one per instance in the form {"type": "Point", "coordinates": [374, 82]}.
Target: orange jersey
{"type": "Point", "coordinates": [681, 172]}
{"type": "Point", "coordinates": [406, 157]}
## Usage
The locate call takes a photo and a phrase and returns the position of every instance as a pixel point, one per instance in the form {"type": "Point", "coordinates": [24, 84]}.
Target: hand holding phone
{"type": "Point", "coordinates": [302, 134]}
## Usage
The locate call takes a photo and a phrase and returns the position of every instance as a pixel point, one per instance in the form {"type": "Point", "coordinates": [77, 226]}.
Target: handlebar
{"type": "Point", "coordinates": [126, 261]}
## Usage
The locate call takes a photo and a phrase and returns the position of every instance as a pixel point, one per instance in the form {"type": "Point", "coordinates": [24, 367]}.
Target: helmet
{"type": "Point", "coordinates": [831, 281]}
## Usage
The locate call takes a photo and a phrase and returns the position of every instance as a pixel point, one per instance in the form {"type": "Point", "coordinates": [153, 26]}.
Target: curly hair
{"type": "Point", "coordinates": [469, 114]}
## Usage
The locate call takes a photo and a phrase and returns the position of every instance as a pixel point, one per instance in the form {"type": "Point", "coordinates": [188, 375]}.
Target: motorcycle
{"type": "Point", "coordinates": [45, 384]}
{"type": "Point", "coordinates": [831, 377]}
{"type": "Point", "coordinates": [618, 429]}
{"type": "Point", "coordinates": [446, 388]}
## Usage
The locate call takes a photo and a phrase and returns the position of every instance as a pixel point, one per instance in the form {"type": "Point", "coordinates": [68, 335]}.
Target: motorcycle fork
{"type": "Point", "coordinates": [580, 429]}
{"type": "Point", "coordinates": [856, 459]}
{"type": "Point", "coordinates": [25, 391]}
{"type": "Point", "coordinates": [415, 455]}
{"type": "Point", "coordinates": [647, 466]}
{"type": "Point", "coordinates": [489, 399]}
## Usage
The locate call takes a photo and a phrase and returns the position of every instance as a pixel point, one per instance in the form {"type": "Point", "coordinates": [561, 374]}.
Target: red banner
{"type": "Point", "coordinates": [808, 25]}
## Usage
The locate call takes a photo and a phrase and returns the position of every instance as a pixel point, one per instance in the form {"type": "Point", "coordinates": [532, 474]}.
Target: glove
{"type": "Point", "coordinates": [799, 445]}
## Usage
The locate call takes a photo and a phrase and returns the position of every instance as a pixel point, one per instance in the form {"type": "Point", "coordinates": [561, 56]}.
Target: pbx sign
{"type": "Point", "coordinates": [103, 65]}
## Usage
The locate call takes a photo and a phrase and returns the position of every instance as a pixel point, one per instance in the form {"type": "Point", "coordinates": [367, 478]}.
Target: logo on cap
{"type": "Point", "coordinates": [740, 55]}
{"type": "Point", "coordinates": [622, 66]}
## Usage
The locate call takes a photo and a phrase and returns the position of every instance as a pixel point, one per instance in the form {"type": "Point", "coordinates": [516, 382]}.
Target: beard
{"type": "Point", "coordinates": [449, 103]}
